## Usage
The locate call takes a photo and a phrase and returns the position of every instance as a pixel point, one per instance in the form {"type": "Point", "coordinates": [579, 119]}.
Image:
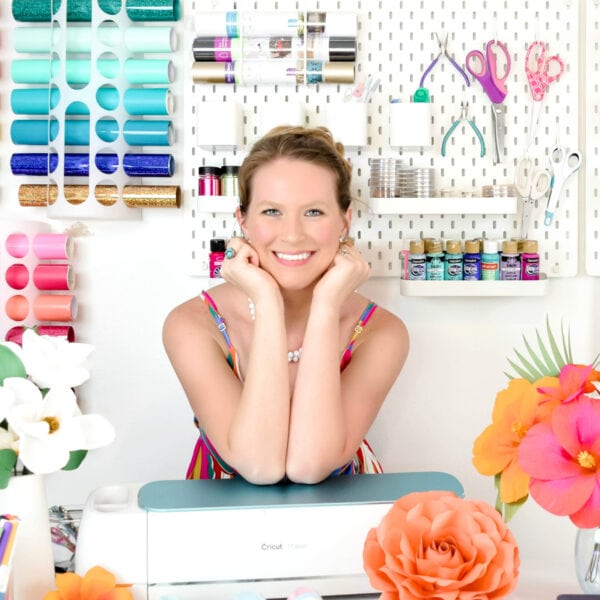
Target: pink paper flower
{"type": "Point", "coordinates": [562, 458]}
{"type": "Point", "coordinates": [436, 545]}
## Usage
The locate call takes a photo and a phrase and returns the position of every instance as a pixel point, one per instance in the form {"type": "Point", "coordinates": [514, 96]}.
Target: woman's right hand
{"type": "Point", "coordinates": [243, 269]}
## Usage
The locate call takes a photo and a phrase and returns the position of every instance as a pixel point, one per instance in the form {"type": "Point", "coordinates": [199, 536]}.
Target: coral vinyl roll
{"type": "Point", "coordinates": [55, 307]}
{"type": "Point", "coordinates": [53, 277]}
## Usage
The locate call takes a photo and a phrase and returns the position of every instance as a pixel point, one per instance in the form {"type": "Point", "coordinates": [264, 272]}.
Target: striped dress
{"type": "Point", "coordinates": [206, 462]}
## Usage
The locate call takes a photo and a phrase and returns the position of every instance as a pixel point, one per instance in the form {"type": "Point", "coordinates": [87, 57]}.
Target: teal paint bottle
{"type": "Point", "coordinates": [435, 261]}
{"type": "Point", "coordinates": [490, 261]}
{"type": "Point", "coordinates": [453, 262]}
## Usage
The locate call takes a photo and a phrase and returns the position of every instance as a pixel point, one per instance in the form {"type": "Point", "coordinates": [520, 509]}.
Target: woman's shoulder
{"type": "Point", "coordinates": [384, 323]}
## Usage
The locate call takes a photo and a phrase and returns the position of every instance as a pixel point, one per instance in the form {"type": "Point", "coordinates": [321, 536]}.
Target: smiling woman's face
{"type": "Point", "coordinates": [294, 221]}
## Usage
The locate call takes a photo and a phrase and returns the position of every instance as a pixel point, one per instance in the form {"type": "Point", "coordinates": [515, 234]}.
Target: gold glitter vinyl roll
{"type": "Point", "coordinates": [37, 194]}
{"type": "Point", "coordinates": [160, 196]}
{"type": "Point", "coordinates": [34, 194]}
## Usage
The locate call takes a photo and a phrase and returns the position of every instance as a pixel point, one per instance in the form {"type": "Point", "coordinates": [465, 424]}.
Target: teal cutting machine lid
{"type": "Point", "coordinates": [213, 539]}
{"type": "Point", "coordinates": [237, 493]}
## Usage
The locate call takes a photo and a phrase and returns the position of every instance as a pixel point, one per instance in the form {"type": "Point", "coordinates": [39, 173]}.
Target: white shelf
{"type": "Point", "coordinates": [474, 288]}
{"type": "Point", "coordinates": [217, 204]}
{"type": "Point", "coordinates": [441, 206]}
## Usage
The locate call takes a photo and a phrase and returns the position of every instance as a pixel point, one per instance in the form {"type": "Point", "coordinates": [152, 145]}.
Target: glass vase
{"type": "Point", "coordinates": [587, 559]}
{"type": "Point", "coordinates": [32, 569]}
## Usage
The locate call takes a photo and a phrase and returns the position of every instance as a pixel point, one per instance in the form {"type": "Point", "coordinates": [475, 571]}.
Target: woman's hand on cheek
{"type": "Point", "coordinates": [348, 271]}
{"type": "Point", "coordinates": [242, 269]}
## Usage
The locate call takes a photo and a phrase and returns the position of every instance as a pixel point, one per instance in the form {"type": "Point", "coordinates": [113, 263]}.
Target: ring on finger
{"type": "Point", "coordinates": [230, 252]}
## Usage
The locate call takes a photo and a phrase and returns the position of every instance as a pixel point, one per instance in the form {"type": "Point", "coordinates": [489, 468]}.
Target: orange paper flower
{"type": "Point", "coordinates": [96, 584]}
{"type": "Point", "coordinates": [436, 545]}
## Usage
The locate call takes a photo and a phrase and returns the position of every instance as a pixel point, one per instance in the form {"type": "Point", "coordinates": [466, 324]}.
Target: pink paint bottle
{"type": "Point", "coordinates": [216, 257]}
{"type": "Point", "coordinates": [530, 260]}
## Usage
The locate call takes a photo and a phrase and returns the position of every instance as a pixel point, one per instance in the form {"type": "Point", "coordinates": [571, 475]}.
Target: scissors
{"type": "Point", "coordinates": [532, 185]}
{"type": "Point", "coordinates": [541, 71]}
{"type": "Point", "coordinates": [564, 163]}
{"type": "Point", "coordinates": [486, 70]}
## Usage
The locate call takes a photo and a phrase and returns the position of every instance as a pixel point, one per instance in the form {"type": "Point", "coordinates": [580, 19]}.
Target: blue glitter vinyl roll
{"type": "Point", "coordinates": [153, 10]}
{"type": "Point", "coordinates": [75, 165]}
{"type": "Point", "coordinates": [148, 133]}
{"type": "Point", "coordinates": [148, 165]}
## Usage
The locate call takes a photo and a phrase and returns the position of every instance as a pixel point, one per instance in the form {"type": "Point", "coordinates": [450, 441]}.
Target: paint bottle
{"type": "Point", "coordinates": [490, 261]}
{"type": "Point", "coordinates": [472, 261]}
{"type": "Point", "coordinates": [416, 260]}
{"type": "Point", "coordinates": [229, 180]}
{"type": "Point", "coordinates": [510, 261]}
{"type": "Point", "coordinates": [216, 257]}
{"type": "Point", "coordinates": [453, 262]}
{"type": "Point", "coordinates": [530, 260]}
{"type": "Point", "coordinates": [208, 181]}
{"type": "Point", "coordinates": [434, 270]}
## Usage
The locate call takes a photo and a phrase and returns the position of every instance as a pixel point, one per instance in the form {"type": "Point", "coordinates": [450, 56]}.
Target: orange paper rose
{"type": "Point", "coordinates": [439, 546]}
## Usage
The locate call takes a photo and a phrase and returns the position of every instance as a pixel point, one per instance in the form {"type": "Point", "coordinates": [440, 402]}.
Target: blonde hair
{"type": "Point", "coordinates": [315, 145]}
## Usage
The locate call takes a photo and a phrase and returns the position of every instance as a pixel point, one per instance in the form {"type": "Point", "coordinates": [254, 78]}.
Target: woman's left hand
{"type": "Point", "coordinates": [348, 271]}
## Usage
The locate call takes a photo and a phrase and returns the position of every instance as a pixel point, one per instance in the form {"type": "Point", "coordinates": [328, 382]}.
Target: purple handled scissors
{"type": "Point", "coordinates": [492, 78]}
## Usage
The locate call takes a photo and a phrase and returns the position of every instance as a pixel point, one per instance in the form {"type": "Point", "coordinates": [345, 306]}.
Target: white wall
{"type": "Point", "coordinates": [128, 278]}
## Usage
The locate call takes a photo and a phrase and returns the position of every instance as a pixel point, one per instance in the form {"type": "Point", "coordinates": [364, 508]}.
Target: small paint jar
{"type": "Point", "coordinates": [216, 257]}
{"type": "Point", "coordinates": [229, 180]}
{"type": "Point", "coordinates": [530, 260]}
{"type": "Point", "coordinates": [209, 181]}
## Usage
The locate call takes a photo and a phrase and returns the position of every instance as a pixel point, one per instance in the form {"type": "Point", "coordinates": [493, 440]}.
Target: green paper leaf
{"type": "Point", "coordinates": [551, 369]}
{"type": "Point", "coordinates": [8, 460]}
{"type": "Point", "coordinates": [511, 508]}
{"type": "Point", "coordinates": [567, 345]}
{"type": "Point", "coordinates": [559, 359]}
{"type": "Point", "coordinates": [75, 459]}
{"type": "Point", "coordinates": [526, 370]}
{"type": "Point", "coordinates": [540, 365]}
{"type": "Point", "coordinates": [10, 365]}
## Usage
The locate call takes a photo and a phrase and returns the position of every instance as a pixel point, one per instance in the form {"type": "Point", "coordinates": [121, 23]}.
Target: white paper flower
{"type": "Point", "coordinates": [16, 390]}
{"type": "Point", "coordinates": [8, 440]}
{"type": "Point", "coordinates": [53, 361]}
{"type": "Point", "coordinates": [53, 426]}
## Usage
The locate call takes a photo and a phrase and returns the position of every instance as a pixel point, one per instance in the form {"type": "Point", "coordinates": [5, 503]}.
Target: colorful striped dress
{"type": "Point", "coordinates": [206, 462]}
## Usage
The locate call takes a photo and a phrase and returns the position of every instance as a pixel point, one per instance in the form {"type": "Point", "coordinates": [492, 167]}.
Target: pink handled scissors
{"type": "Point", "coordinates": [541, 71]}
{"type": "Point", "coordinates": [492, 78]}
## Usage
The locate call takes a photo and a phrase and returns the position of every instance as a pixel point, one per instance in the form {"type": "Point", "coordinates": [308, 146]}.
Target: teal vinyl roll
{"type": "Point", "coordinates": [150, 39]}
{"type": "Point", "coordinates": [148, 70]}
{"type": "Point", "coordinates": [153, 10]}
{"type": "Point", "coordinates": [77, 131]}
{"type": "Point", "coordinates": [38, 40]}
{"type": "Point", "coordinates": [39, 70]}
{"type": "Point", "coordinates": [148, 101]}
{"type": "Point", "coordinates": [34, 101]}
{"type": "Point", "coordinates": [39, 101]}
{"type": "Point", "coordinates": [35, 39]}
{"type": "Point", "coordinates": [45, 10]}
{"type": "Point", "coordinates": [148, 133]}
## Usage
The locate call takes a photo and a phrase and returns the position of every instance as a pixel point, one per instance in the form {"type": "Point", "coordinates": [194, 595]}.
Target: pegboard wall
{"type": "Point", "coordinates": [592, 88]}
{"type": "Point", "coordinates": [396, 42]}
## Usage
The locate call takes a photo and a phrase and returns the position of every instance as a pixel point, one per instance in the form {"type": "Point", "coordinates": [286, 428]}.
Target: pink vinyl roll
{"type": "Point", "coordinates": [17, 308]}
{"type": "Point", "coordinates": [15, 334]}
{"type": "Point", "coordinates": [53, 277]}
{"type": "Point", "coordinates": [17, 245]}
{"type": "Point", "coordinates": [17, 276]}
{"type": "Point", "coordinates": [55, 307]}
{"type": "Point", "coordinates": [52, 246]}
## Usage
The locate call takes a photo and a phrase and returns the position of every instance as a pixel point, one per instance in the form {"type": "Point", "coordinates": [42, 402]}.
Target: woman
{"type": "Point", "coordinates": [259, 357]}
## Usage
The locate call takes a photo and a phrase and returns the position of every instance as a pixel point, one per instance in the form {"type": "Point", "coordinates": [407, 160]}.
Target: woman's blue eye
{"type": "Point", "coordinates": [314, 212]}
{"type": "Point", "coordinates": [270, 211]}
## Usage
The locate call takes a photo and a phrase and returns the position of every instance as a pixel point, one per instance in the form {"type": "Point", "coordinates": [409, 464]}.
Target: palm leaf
{"type": "Point", "coordinates": [548, 360]}
{"type": "Point", "coordinates": [560, 361]}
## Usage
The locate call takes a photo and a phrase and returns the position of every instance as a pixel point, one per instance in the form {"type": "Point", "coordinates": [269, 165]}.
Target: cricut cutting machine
{"type": "Point", "coordinates": [183, 540]}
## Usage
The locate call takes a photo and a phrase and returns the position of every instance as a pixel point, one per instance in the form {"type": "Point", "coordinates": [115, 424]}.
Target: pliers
{"type": "Point", "coordinates": [443, 52]}
{"type": "Point", "coordinates": [464, 109]}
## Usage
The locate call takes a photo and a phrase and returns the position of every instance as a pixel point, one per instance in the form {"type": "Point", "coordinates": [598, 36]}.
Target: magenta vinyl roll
{"type": "Point", "coordinates": [55, 307]}
{"type": "Point", "coordinates": [52, 246]}
{"type": "Point", "coordinates": [15, 334]}
{"type": "Point", "coordinates": [53, 277]}
{"type": "Point", "coordinates": [17, 276]}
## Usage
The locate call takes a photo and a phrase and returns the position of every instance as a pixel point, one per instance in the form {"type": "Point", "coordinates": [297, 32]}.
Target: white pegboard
{"type": "Point", "coordinates": [592, 89]}
{"type": "Point", "coordinates": [396, 42]}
